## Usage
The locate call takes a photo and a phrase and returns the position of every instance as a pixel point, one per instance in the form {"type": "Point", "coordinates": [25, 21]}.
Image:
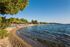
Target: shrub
{"type": "Point", "coordinates": [3, 34]}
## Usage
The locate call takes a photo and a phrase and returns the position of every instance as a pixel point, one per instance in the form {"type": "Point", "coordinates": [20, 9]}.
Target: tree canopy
{"type": "Point", "coordinates": [34, 22]}
{"type": "Point", "coordinates": [17, 20]}
{"type": "Point", "coordinates": [12, 6]}
{"type": "Point", "coordinates": [12, 20]}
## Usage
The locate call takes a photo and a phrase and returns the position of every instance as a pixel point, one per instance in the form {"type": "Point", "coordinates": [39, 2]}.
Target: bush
{"type": "Point", "coordinates": [3, 34]}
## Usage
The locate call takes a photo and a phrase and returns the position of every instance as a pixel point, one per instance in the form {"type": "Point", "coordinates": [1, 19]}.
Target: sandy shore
{"type": "Point", "coordinates": [5, 42]}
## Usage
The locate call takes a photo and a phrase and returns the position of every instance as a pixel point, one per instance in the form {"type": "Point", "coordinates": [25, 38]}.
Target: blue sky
{"type": "Point", "coordinates": [46, 10]}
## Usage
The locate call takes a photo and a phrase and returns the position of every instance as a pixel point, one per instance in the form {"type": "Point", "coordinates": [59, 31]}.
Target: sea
{"type": "Point", "coordinates": [51, 34]}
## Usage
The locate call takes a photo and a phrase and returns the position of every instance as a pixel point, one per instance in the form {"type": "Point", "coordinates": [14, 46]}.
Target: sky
{"type": "Point", "coordinates": [46, 11]}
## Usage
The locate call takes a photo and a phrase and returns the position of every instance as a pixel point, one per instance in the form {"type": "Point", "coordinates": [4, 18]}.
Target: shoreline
{"type": "Point", "coordinates": [5, 42]}
{"type": "Point", "coordinates": [25, 41]}
{"type": "Point", "coordinates": [15, 36]}
{"type": "Point", "coordinates": [31, 42]}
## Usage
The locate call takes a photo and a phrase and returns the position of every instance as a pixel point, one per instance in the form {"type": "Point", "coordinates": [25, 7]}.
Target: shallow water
{"type": "Point", "coordinates": [53, 33]}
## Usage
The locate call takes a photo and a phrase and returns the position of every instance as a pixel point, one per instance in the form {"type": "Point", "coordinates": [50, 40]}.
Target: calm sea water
{"type": "Point", "coordinates": [57, 33]}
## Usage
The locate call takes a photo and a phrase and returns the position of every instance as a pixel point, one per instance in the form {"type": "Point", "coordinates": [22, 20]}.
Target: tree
{"type": "Point", "coordinates": [34, 21]}
{"type": "Point", "coordinates": [11, 7]}
{"type": "Point", "coordinates": [23, 20]}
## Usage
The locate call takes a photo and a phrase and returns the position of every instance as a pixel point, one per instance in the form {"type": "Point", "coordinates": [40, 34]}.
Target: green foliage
{"type": "Point", "coordinates": [23, 20]}
{"type": "Point", "coordinates": [4, 22]}
{"type": "Point", "coordinates": [12, 20]}
{"type": "Point", "coordinates": [12, 6]}
{"type": "Point", "coordinates": [34, 22]}
{"type": "Point", "coordinates": [3, 33]}
{"type": "Point", "coordinates": [0, 19]}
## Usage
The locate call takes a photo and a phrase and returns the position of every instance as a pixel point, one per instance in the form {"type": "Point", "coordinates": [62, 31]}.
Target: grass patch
{"type": "Point", "coordinates": [3, 33]}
